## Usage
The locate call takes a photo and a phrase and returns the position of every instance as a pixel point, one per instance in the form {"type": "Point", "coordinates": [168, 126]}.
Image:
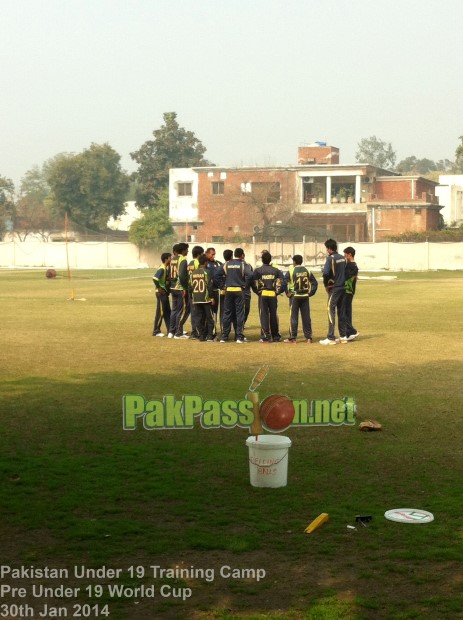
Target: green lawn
{"type": "Point", "coordinates": [78, 490]}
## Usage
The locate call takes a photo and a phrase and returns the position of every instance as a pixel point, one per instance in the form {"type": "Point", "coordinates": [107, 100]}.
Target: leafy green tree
{"type": "Point", "coordinates": [7, 204]}
{"type": "Point", "coordinates": [90, 186]}
{"type": "Point", "coordinates": [376, 152]}
{"type": "Point", "coordinates": [154, 226]}
{"type": "Point", "coordinates": [458, 165]}
{"type": "Point", "coordinates": [172, 147]}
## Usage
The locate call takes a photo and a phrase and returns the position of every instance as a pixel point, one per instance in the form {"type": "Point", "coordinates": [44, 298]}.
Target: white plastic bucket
{"type": "Point", "coordinates": [268, 460]}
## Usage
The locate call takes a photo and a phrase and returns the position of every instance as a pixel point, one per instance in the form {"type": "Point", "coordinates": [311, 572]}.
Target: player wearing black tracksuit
{"type": "Point", "coordinates": [238, 275]}
{"type": "Point", "coordinates": [301, 284]}
{"type": "Point", "coordinates": [180, 293]}
{"type": "Point", "coordinates": [162, 287]}
{"type": "Point", "coordinates": [201, 295]}
{"type": "Point", "coordinates": [212, 265]}
{"type": "Point", "coordinates": [193, 264]}
{"type": "Point", "coordinates": [334, 279]}
{"type": "Point", "coordinates": [349, 291]}
{"type": "Point", "coordinates": [270, 284]}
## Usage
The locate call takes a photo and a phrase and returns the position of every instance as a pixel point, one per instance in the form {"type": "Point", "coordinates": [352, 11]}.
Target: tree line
{"type": "Point", "coordinates": [91, 187]}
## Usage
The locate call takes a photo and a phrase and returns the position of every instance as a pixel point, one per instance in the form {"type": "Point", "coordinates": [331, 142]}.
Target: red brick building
{"type": "Point", "coordinates": [356, 202]}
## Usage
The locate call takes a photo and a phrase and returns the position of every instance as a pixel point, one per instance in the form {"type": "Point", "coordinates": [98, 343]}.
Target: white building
{"type": "Point", "coordinates": [450, 193]}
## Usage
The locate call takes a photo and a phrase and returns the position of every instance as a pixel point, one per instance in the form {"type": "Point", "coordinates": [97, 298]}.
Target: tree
{"type": "Point", "coordinates": [172, 147]}
{"type": "Point", "coordinates": [154, 226]}
{"type": "Point", "coordinates": [90, 187]}
{"type": "Point", "coordinates": [376, 152]}
{"type": "Point", "coordinates": [412, 165]}
{"type": "Point", "coordinates": [33, 213]}
{"type": "Point", "coordinates": [7, 204]}
{"type": "Point", "coordinates": [458, 165]}
{"type": "Point", "coordinates": [444, 165]}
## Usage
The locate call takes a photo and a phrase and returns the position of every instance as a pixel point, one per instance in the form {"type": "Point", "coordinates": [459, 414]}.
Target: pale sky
{"type": "Point", "coordinates": [253, 79]}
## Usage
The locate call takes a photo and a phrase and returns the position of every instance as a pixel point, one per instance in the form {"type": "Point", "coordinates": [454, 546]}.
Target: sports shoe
{"type": "Point", "coordinates": [263, 340]}
{"type": "Point", "coordinates": [290, 340]}
{"type": "Point", "coordinates": [277, 340]}
{"type": "Point", "coordinates": [160, 335]}
{"type": "Point", "coordinates": [353, 336]}
{"type": "Point", "coordinates": [222, 340]}
{"type": "Point", "coordinates": [239, 341]}
{"type": "Point", "coordinates": [370, 425]}
{"type": "Point", "coordinates": [211, 339]}
{"type": "Point", "coordinates": [170, 335]}
{"type": "Point", "coordinates": [183, 337]}
{"type": "Point", "coordinates": [327, 341]}
{"type": "Point", "coordinates": [309, 340]}
{"type": "Point", "coordinates": [343, 340]}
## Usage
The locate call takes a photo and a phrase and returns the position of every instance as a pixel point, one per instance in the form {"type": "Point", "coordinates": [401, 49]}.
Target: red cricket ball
{"type": "Point", "coordinates": [276, 412]}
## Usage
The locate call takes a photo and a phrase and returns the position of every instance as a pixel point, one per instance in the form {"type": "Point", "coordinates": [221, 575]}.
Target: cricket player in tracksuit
{"type": "Point", "coordinates": [301, 284]}
{"type": "Point", "coordinates": [270, 284]}
{"type": "Point", "coordinates": [179, 293]}
{"type": "Point", "coordinates": [238, 274]}
{"type": "Point", "coordinates": [173, 275]}
{"type": "Point", "coordinates": [212, 265]}
{"type": "Point", "coordinates": [334, 278]}
{"type": "Point", "coordinates": [227, 255]}
{"type": "Point", "coordinates": [201, 295]}
{"type": "Point", "coordinates": [349, 291]}
{"type": "Point", "coordinates": [162, 288]}
{"type": "Point", "coordinates": [193, 264]}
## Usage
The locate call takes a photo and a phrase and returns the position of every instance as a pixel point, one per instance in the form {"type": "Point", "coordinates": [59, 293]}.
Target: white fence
{"type": "Point", "coordinates": [112, 255]}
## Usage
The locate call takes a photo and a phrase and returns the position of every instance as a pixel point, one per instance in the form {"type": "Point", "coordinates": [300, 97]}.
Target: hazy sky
{"type": "Point", "coordinates": [252, 78]}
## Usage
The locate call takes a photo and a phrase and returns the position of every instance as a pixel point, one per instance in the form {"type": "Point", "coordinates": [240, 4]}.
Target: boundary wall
{"type": "Point", "coordinates": [113, 255]}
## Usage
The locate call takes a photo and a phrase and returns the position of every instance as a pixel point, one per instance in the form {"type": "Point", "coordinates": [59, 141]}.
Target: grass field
{"type": "Point", "coordinates": [78, 490]}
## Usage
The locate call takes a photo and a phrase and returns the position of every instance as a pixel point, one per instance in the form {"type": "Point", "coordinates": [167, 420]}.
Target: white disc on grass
{"type": "Point", "coordinates": [409, 515]}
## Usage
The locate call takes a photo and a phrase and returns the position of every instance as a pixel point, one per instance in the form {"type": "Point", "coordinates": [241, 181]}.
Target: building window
{"type": "Point", "coordinates": [245, 188]}
{"type": "Point", "coordinates": [417, 211]}
{"type": "Point", "coordinates": [218, 188]}
{"type": "Point", "coordinates": [266, 192]}
{"type": "Point", "coordinates": [184, 189]}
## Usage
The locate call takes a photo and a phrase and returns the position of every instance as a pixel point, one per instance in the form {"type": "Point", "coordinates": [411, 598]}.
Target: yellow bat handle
{"type": "Point", "coordinates": [256, 427]}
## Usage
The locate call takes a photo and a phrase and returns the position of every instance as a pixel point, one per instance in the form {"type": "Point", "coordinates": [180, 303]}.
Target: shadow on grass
{"type": "Point", "coordinates": [77, 488]}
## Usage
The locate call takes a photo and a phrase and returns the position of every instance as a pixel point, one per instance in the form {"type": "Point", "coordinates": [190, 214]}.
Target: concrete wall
{"type": "Point", "coordinates": [104, 255]}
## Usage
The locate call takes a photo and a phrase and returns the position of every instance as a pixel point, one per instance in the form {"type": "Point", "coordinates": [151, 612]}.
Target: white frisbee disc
{"type": "Point", "coordinates": [409, 515]}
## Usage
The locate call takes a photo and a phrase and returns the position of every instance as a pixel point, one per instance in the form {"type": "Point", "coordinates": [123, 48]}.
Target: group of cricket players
{"type": "Point", "coordinates": [216, 296]}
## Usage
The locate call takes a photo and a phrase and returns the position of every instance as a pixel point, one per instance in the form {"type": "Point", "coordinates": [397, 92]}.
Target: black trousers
{"type": "Point", "coordinates": [350, 329]}
{"type": "Point", "coordinates": [335, 306]}
{"type": "Point", "coordinates": [162, 312]}
{"type": "Point", "coordinates": [269, 318]}
{"type": "Point", "coordinates": [203, 318]}
{"type": "Point", "coordinates": [180, 313]}
{"type": "Point", "coordinates": [300, 306]}
{"type": "Point", "coordinates": [233, 310]}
